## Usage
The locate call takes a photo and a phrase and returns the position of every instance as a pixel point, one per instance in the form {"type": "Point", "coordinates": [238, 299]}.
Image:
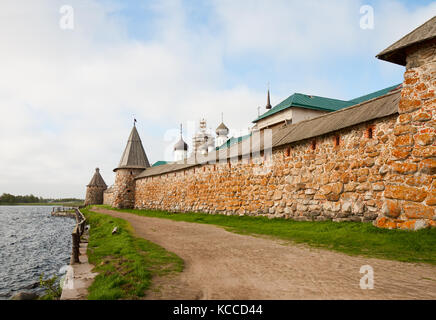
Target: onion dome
{"type": "Point", "coordinates": [222, 130]}
{"type": "Point", "coordinates": [181, 145]}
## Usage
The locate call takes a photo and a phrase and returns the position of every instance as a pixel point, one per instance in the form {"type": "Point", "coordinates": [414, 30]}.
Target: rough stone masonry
{"type": "Point", "coordinates": [380, 169]}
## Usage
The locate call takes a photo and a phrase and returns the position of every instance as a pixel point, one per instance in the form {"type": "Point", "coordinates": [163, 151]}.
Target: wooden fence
{"type": "Point", "coordinates": [77, 233]}
{"type": "Point", "coordinates": [62, 209]}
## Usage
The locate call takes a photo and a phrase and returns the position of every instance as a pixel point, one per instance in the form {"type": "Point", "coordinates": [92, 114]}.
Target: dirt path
{"type": "Point", "coordinates": [224, 265]}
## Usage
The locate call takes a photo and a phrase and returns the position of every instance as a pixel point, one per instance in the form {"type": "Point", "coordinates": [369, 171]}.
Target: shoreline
{"type": "Point", "coordinates": [80, 273]}
{"type": "Point", "coordinates": [65, 204]}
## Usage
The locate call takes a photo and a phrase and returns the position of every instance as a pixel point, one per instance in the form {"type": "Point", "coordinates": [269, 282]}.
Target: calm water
{"type": "Point", "coordinates": [31, 242]}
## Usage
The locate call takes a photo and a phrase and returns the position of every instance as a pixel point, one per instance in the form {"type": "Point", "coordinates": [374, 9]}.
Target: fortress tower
{"type": "Point", "coordinates": [95, 189]}
{"type": "Point", "coordinates": [133, 161]}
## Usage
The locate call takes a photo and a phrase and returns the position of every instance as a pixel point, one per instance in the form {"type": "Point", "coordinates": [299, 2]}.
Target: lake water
{"type": "Point", "coordinates": [32, 242]}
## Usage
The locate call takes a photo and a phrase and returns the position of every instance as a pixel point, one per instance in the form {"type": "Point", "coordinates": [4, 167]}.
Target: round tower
{"type": "Point", "coordinates": [133, 162]}
{"type": "Point", "coordinates": [95, 189]}
{"type": "Point", "coordinates": [180, 148]}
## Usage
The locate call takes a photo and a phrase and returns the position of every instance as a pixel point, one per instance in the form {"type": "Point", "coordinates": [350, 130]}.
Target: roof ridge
{"type": "Point", "coordinates": [314, 95]}
{"type": "Point", "coordinates": [342, 110]}
{"type": "Point", "coordinates": [408, 40]}
{"type": "Point", "coordinates": [270, 111]}
{"type": "Point", "coordinates": [298, 99]}
{"type": "Point", "coordinates": [393, 86]}
{"type": "Point", "coordinates": [406, 35]}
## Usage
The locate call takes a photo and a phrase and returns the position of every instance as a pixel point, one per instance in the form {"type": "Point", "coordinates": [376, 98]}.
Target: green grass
{"type": "Point", "coordinates": [126, 264]}
{"type": "Point", "coordinates": [353, 238]}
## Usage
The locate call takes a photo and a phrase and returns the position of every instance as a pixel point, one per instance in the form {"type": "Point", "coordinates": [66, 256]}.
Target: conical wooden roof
{"type": "Point", "coordinates": [134, 156]}
{"type": "Point", "coordinates": [97, 180]}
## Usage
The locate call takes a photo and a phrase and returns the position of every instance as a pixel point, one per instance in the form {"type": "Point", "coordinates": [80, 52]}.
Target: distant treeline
{"type": "Point", "coordinates": [7, 198]}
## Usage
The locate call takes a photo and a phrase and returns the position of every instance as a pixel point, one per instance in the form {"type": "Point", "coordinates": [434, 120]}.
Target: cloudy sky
{"type": "Point", "coordinates": [68, 96]}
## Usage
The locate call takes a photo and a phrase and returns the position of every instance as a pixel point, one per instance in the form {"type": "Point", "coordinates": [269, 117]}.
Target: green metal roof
{"type": "Point", "coordinates": [306, 101]}
{"type": "Point", "coordinates": [159, 163]}
{"type": "Point", "coordinates": [321, 103]}
{"type": "Point", "coordinates": [232, 141]}
{"type": "Point", "coordinates": [374, 94]}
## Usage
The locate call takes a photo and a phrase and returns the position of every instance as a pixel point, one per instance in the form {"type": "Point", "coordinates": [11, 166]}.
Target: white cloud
{"type": "Point", "coordinates": [288, 29]}
{"type": "Point", "coordinates": [67, 97]}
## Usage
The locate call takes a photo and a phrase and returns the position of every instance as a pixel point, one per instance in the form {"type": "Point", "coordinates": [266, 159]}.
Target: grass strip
{"type": "Point", "coordinates": [126, 264]}
{"type": "Point", "coordinates": [353, 238]}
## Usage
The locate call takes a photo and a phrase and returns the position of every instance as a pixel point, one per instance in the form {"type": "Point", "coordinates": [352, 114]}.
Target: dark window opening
{"type": "Point", "coordinates": [370, 132]}
{"type": "Point", "coordinates": [337, 141]}
{"type": "Point", "coordinates": [313, 144]}
{"type": "Point", "coordinates": [287, 152]}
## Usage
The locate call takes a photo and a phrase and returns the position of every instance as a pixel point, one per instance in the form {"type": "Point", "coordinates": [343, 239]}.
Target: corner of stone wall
{"type": "Point", "coordinates": [410, 194]}
{"type": "Point", "coordinates": [124, 188]}
{"type": "Point", "coordinates": [94, 195]}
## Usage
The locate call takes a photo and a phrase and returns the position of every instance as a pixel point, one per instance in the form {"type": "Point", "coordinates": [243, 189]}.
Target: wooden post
{"type": "Point", "coordinates": [75, 246]}
{"type": "Point", "coordinates": [77, 233]}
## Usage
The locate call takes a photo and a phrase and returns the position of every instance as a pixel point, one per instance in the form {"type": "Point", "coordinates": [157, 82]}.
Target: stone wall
{"type": "Point", "coordinates": [383, 171]}
{"type": "Point", "coordinates": [94, 195]}
{"type": "Point", "coordinates": [411, 192]}
{"type": "Point", "coordinates": [338, 182]}
{"type": "Point", "coordinates": [124, 188]}
{"type": "Point", "coordinates": [108, 197]}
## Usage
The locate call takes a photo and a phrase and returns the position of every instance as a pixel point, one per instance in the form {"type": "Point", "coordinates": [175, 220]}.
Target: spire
{"type": "Point", "coordinates": [268, 104]}
{"type": "Point", "coordinates": [97, 180]}
{"type": "Point", "coordinates": [181, 144]}
{"type": "Point", "coordinates": [134, 156]}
